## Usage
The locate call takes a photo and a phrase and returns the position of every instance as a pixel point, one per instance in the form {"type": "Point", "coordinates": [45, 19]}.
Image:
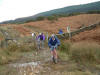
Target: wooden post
{"type": "Point", "coordinates": [47, 36]}
{"type": "Point", "coordinates": [68, 30]}
{"type": "Point", "coordinates": [34, 38]}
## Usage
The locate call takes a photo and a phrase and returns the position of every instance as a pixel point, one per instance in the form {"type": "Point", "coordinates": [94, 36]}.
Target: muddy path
{"type": "Point", "coordinates": [40, 63]}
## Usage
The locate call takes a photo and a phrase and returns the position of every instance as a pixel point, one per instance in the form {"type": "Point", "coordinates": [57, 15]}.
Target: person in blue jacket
{"type": "Point", "coordinates": [60, 31]}
{"type": "Point", "coordinates": [53, 43]}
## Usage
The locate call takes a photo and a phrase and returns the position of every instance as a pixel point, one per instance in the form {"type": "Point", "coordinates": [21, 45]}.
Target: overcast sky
{"type": "Point", "coordinates": [12, 9]}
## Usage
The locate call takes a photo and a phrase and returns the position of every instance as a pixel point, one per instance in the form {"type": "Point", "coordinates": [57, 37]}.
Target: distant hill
{"type": "Point", "coordinates": [95, 6]}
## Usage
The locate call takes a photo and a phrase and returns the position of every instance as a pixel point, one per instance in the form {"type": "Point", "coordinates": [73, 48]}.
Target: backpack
{"type": "Point", "coordinates": [41, 37]}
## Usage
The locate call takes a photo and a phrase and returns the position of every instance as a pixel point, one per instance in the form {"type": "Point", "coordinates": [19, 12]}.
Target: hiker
{"type": "Point", "coordinates": [34, 38]}
{"type": "Point", "coordinates": [60, 31]}
{"type": "Point", "coordinates": [53, 43]}
{"type": "Point", "coordinates": [33, 34]}
{"type": "Point", "coordinates": [40, 40]}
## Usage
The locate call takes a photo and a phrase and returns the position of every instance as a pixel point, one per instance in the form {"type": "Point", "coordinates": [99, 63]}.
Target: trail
{"type": "Point", "coordinates": [40, 63]}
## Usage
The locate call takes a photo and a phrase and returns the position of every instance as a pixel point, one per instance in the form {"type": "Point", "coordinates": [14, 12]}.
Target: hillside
{"type": "Point", "coordinates": [75, 22]}
{"type": "Point", "coordinates": [73, 9]}
{"type": "Point", "coordinates": [92, 35]}
{"type": "Point", "coordinates": [95, 6]}
{"type": "Point", "coordinates": [77, 57]}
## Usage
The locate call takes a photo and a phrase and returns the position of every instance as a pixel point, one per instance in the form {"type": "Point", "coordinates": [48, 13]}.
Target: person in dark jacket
{"type": "Point", "coordinates": [40, 40]}
{"type": "Point", "coordinates": [53, 43]}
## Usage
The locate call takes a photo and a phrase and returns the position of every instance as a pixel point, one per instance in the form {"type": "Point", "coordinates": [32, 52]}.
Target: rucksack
{"type": "Point", "coordinates": [41, 37]}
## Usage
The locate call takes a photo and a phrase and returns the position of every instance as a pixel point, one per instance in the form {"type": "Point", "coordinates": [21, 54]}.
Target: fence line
{"type": "Point", "coordinates": [89, 27]}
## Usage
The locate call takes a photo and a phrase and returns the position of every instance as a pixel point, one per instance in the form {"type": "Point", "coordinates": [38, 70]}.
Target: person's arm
{"type": "Point", "coordinates": [58, 42]}
{"type": "Point", "coordinates": [43, 37]}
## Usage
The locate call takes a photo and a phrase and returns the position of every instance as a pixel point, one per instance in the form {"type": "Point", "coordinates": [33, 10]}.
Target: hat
{"type": "Point", "coordinates": [40, 33]}
{"type": "Point", "coordinates": [53, 35]}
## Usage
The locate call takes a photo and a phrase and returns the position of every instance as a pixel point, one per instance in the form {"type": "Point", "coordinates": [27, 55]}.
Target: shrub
{"type": "Point", "coordinates": [1, 35]}
{"type": "Point", "coordinates": [40, 18]}
{"type": "Point", "coordinates": [12, 47]}
{"type": "Point", "coordinates": [29, 21]}
{"type": "Point", "coordinates": [94, 12]}
{"type": "Point", "coordinates": [4, 56]}
{"type": "Point", "coordinates": [52, 18]}
{"type": "Point", "coordinates": [63, 15]}
{"type": "Point", "coordinates": [85, 52]}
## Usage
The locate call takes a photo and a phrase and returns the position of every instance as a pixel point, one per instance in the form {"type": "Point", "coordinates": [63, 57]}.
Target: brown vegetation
{"type": "Point", "coordinates": [75, 22]}
{"type": "Point", "coordinates": [92, 35]}
{"type": "Point", "coordinates": [22, 30]}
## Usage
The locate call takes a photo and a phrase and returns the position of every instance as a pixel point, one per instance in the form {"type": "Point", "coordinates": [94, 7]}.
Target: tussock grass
{"type": "Point", "coordinates": [13, 47]}
{"type": "Point", "coordinates": [82, 52]}
{"type": "Point", "coordinates": [13, 52]}
{"type": "Point", "coordinates": [85, 52]}
{"type": "Point", "coordinates": [65, 47]}
{"type": "Point", "coordinates": [1, 35]}
{"type": "Point", "coordinates": [80, 73]}
{"type": "Point", "coordinates": [4, 56]}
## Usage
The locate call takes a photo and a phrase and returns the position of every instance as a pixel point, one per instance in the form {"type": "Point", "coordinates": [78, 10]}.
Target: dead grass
{"type": "Point", "coordinates": [11, 53]}
{"type": "Point", "coordinates": [91, 35]}
{"type": "Point", "coordinates": [75, 22]}
{"type": "Point", "coordinates": [22, 30]}
{"type": "Point", "coordinates": [85, 52]}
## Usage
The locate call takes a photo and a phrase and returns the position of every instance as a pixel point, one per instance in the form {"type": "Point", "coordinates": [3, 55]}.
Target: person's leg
{"type": "Point", "coordinates": [55, 53]}
{"type": "Point", "coordinates": [38, 45]}
{"type": "Point", "coordinates": [51, 49]}
{"type": "Point", "coordinates": [42, 43]}
{"type": "Point", "coordinates": [54, 56]}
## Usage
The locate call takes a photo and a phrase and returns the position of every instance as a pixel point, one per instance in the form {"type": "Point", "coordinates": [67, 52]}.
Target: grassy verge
{"type": "Point", "coordinates": [85, 52]}
{"type": "Point", "coordinates": [1, 36]}
{"type": "Point", "coordinates": [13, 52]}
{"type": "Point", "coordinates": [81, 51]}
{"type": "Point", "coordinates": [64, 50]}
